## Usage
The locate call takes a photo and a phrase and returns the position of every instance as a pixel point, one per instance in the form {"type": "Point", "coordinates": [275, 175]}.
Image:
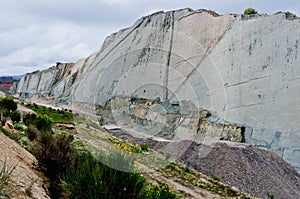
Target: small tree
{"type": "Point", "coordinates": [250, 11]}
{"type": "Point", "coordinates": [8, 103]}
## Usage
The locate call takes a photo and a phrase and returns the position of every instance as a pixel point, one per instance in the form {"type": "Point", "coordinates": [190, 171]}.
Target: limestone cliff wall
{"type": "Point", "coordinates": [244, 69]}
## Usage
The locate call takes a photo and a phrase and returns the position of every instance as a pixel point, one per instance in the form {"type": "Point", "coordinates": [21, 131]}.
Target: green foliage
{"type": "Point", "coordinates": [93, 179]}
{"type": "Point", "coordinates": [249, 11]}
{"type": "Point", "coordinates": [5, 175]}
{"type": "Point", "coordinates": [8, 108]}
{"type": "Point", "coordinates": [8, 103]}
{"type": "Point", "coordinates": [271, 195]}
{"type": "Point", "coordinates": [55, 153]}
{"type": "Point", "coordinates": [29, 119]}
{"type": "Point", "coordinates": [217, 178]}
{"type": "Point", "coordinates": [43, 123]}
{"type": "Point", "coordinates": [19, 127]}
{"type": "Point", "coordinates": [161, 190]}
{"type": "Point", "coordinates": [101, 121]}
{"type": "Point", "coordinates": [57, 116]}
{"type": "Point", "coordinates": [15, 116]}
{"type": "Point", "coordinates": [31, 132]}
{"type": "Point", "coordinates": [6, 132]}
{"type": "Point", "coordinates": [12, 136]}
{"type": "Point", "coordinates": [144, 147]}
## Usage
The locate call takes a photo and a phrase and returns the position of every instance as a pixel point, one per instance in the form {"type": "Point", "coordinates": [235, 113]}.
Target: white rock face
{"type": "Point", "coordinates": [244, 69]}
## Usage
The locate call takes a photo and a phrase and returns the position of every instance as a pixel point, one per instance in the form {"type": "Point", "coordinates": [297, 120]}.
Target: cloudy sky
{"type": "Point", "coordinates": [35, 34]}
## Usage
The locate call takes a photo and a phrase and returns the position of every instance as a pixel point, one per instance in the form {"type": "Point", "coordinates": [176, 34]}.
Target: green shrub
{"type": "Point", "coordinates": [101, 121]}
{"type": "Point", "coordinates": [144, 147]}
{"type": "Point", "coordinates": [93, 179]}
{"type": "Point", "coordinates": [31, 132]}
{"type": "Point", "coordinates": [57, 116]}
{"type": "Point", "coordinates": [19, 127]}
{"type": "Point", "coordinates": [29, 119]}
{"type": "Point", "coordinates": [249, 11]}
{"type": "Point", "coordinates": [160, 191]}
{"type": "Point", "coordinates": [15, 116]}
{"type": "Point", "coordinates": [6, 132]}
{"type": "Point", "coordinates": [55, 155]}
{"type": "Point", "coordinates": [8, 103]}
{"type": "Point", "coordinates": [43, 123]}
{"type": "Point", "coordinates": [271, 195]}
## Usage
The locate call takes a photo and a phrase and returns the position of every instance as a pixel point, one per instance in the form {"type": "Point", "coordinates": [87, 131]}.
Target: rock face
{"type": "Point", "coordinates": [26, 182]}
{"type": "Point", "coordinates": [243, 69]}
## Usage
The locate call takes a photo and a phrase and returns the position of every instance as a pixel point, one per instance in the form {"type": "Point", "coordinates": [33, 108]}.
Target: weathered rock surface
{"type": "Point", "coordinates": [26, 182]}
{"type": "Point", "coordinates": [244, 69]}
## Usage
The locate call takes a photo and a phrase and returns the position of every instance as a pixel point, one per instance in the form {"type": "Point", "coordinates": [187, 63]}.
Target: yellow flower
{"type": "Point", "coordinates": [137, 145]}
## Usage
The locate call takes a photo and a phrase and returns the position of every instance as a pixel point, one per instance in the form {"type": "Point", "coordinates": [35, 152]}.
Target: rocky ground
{"type": "Point", "coordinates": [26, 181]}
{"type": "Point", "coordinates": [258, 172]}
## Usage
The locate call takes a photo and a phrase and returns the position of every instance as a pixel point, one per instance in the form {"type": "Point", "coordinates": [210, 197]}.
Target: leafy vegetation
{"type": "Point", "coordinates": [93, 179]}
{"type": "Point", "coordinates": [76, 173]}
{"type": "Point", "coordinates": [8, 108]}
{"type": "Point", "coordinates": [249, 11]}
{"type": "Point", "coordinates": [8, 103]}
{"type": "Point", "coordinates": [271, 195]}
{"type": "Point", "coordinates": [43, 123]}
{"type": "Point", "coordinates": [144, 147]}
{"type": "Point", "coordinates": [57, 116]}
{"type": "Point", "coordinates": [162, 190]}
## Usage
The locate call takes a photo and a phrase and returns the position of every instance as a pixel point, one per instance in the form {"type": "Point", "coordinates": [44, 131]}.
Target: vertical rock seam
{"type": "Point", "coordinates": [166, 79]}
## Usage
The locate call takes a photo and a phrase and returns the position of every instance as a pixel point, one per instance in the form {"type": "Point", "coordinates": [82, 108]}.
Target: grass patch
{"type": "Point", "coordinates": [57, 116]}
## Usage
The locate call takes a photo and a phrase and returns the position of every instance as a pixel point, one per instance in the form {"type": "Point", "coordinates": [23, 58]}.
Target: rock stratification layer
{"type": "Point", "coordinates": [244, 69]}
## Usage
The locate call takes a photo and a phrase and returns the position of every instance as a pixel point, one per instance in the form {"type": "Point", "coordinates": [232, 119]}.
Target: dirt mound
{"type": "Point", "coordinates": [26, 181]}
{"type": "Point", "coordinates": [251, 170]}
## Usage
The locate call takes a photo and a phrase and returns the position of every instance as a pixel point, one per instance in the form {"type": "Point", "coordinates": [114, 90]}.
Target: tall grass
{"type": "Point", "coordinates": [94, 179]}
{"type": "Point", "coordinates": [5, 175]}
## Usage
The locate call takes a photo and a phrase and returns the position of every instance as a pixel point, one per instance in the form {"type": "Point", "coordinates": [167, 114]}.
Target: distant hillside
{"type": "Point", "coordinates": [6, 82]}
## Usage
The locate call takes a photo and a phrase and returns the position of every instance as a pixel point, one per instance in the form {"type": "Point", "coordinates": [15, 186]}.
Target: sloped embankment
{"type": "Point", "coordinates": [26, 181]}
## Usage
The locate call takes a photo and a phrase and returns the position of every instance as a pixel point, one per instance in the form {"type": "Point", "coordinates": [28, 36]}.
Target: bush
{"type": "Point", "coordinates": [55, 155]}
{"type": "Point", "coordinates": [93, 179]}
{"type": "Point", "coordinates": [8, 103]}
{"type": "Point", "coordinates": [43, 123]}
{"type": "Point", "coordinates": [144, 147]}
{"type": "Point", "coordinates": [31, 132]}
{"type": "Point", "coordinates": [249, 11]}
{"type": "Point", "coordinates": [15, 116]}
{"type": "Point", "coordinates": [161, 190]}
{"type": "Point", "coordinates": [217, 178]}
{"type": "Point", "coordinates": [29, 119]}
